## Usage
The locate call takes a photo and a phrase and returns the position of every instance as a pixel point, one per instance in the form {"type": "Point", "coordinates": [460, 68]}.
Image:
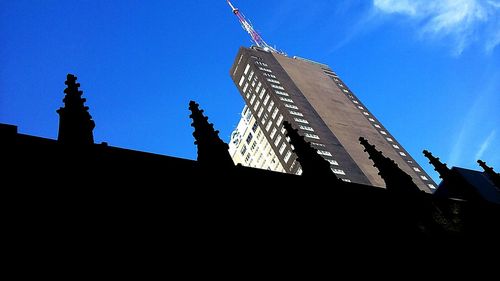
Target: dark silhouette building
{"type": "Point", "coordinates": [94, 195]}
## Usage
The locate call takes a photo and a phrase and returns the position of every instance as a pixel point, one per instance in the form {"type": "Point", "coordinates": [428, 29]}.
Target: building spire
{"type": "Point", "coordinates": [247, 26]}
{"type": "Point", "coordinates": [313, 165]}
{"type": "Point", "coordinates": [439, 167]}
{"type": "Point", "coordinates": [395, 178]}
{"type": "Point", "coordinates": [75, 123]}
{"type": "Point", "coordinates": [212, 151]}
{"type": "Point", "coordinates": [495, 177]}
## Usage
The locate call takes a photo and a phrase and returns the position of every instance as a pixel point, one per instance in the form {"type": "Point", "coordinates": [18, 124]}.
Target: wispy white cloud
{"type": "Point", "coordinates": [484, 146]}
{"type": "Point", "coordinates": [464, 21]}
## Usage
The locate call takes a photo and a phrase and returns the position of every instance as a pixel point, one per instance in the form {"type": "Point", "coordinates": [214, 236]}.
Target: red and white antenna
{"type": "Point", "coordinates": [256, 38]}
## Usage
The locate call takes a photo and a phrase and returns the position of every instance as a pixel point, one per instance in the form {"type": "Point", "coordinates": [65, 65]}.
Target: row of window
{"type": "Point", "coordinates": [269, 75]}
{"type": "Point", "coordinates": [288, 103]}
{"type": "Point", "coordinates": [385, 134]}
{"type": "Point", "coordinates": [273, 81]}
{"type": "Point", "coordinates": [261, 63]}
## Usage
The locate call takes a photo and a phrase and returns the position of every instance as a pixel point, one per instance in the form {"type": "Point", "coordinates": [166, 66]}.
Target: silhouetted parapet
{"type": "Point", "coordinates": [395, 178]}
{"type": "Point", "coordinates": [75, 123]}
{"type": "Point", "coordinates": [313, 165]}
{"type": "Point", "coordinates": [213, 153]}
{"type": "Point", "coordinates": [494, 177]}
{"type": "Point", "coordinates": [439, 167]}
{"type": "Point", "coordinates": [456, 185]}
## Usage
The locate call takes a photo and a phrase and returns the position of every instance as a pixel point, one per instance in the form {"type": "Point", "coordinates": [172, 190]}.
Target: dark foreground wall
{"type": "Point", "coordinates": [87, 199]}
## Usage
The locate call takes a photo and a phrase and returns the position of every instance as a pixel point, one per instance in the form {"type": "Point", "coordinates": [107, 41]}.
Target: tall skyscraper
{"type": "Point", "coordinates": [314, 100]}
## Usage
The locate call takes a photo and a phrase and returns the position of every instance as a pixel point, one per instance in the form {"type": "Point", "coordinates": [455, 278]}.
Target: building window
{"type": "Point", "coordinates": [256, 105]}
{"type": "Point", "coordinates": [242, 80]}
{"type": "Point", "coordinates": [249, 138]}
{"type": "Point", "coordinates": [299, 172]}
{"type": "Point", "coordinates": [338, 171]}
{"type": "Point", "coordinates": [286, 99]}
{"type": "Point", "coordinates": [416, 169]}
{"type": "Point", "coordinates": [265, 69]}
{"type": "Point", "coordinates": [260, 112]}
{"type": "Point", "coordinates": [333, 162]}
{"type": "Point", "coordinates": [431, 186]}
{"type": "Point", "coordinates": [270, 107]}
{"type": "Point", "coordinates": [355, 101]}
{"type": "Point", "coordinates": [269, 75]}
{"type": "Point", "coordinates": [377, 126]}
{"type": "Point", "coordinates": [258, 89]}
{"type": "Point", "coordinates": [360, 107]}
{"type": "Point", "coordinates": [273, 81]}
{"type": "Point", "coordinates": [279, 120]}
{"type": "Point", "coordinates": [251, 75]}
{"type": "Point", "coordinates": [312, 136]}
{"type": "Point", "coordinates": [277, 141]}
{"type": "Point", "coordinates": [287, 156]}
{"type": "Point", "coordinates": [291, 106]}
{"type": "Point", "coordinates": [383, 132]}
{"type": "Point", "coordinates": [371, 119]}
{"type": "Point", "coordinates": [424, 178]}
{"type": "Point", "coordinates": [402, 153]}
{"type": "Point", "coordinates": [275, 112]}
{"type": "Point", "coordinates": [266, 99]}
{"type": "Point", "coordinates": [296, 113]}
{"type": "Point", "coordinates": [300, 120]}
{"type": "Point", "coordinates": [255, 126]}
{"type": "Point", "coordinates": [253, 99]}
{"type": "Point", "coordinates": [283, 130]}
{"type": "Point", "coordinates": [395, 146]}
{"type": "Point", "coordinates": [282, 148]}
{"type": "Point", "coordinates": [277, 87]}
{"type": "Point", "coordinates": [389, 139]}
{"type": "Point", "coordinates": [326, 153]}
{"type": "Point", "coordinates": [269, 124]}
{"type": "Point", "coordinates": [345, 91]}
{"type": "Point", "coordinates": [247, 158]}
{"type": "Point", "coordinates": [306, 128]}
{"type": "Point", "coordinates": [318, 144]}
{"type": "Point", "coordinates": [243, 150]}
{"type": "Point", "coordinates": [261, 92]}
{"type": "Point", "coordinates": [366, 113]}
{"type": "Point", "coordinates": [273, 132]}
{"type": "Point", "coordinates": [247, 68]}
{"type": "Point", "coordinates": [254, 144]}
{"type": "Point", "coordinates": [282, 93]}
{"type": "Point", "coordinates": [245, 88]}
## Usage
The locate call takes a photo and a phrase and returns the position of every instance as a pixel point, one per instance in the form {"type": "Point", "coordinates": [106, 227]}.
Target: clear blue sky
{"type": "Point", "coordinates": [429, 70]}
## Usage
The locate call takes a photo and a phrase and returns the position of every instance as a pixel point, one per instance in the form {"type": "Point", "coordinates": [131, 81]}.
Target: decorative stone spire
{"type": "Point", "coordinates": [457, 186]}
{"type": "Point", "coordinates": [395, 178]}
{"type": "Point", "coordinates": [494, 177]}
{"type": "Point", "coordinates": [213, 153]}
{"type": "Point", "coordinates": [439, 167]}
{"type": "Point", "coordinates": [75, 123]}
{"type": "Point", "coordinates": [313, 165]}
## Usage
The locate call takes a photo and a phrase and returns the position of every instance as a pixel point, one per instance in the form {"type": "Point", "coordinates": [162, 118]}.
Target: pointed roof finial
{"type": "Point", "coordinates": [213, 153]}
{"type": "Point", "coordinates": [311, 162]}
{"type": "Point", "coordinates": [75, 123]}
{"type": "Point", "coordinates": [395, 178]}
{"type": "Point", "coordinates": [439, 167]}
{"type": "Point", "coordinates": [495, 177]}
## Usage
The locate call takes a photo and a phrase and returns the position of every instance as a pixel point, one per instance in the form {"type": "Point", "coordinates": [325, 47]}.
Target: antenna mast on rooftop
{"type": "Point", "coordinates": [256, 38]}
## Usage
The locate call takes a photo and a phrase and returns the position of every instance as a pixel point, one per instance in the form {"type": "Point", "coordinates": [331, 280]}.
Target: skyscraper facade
{"type": "Point", "coordinates": [249, 146]}
{"type": "Point", "coordinates": [326, 112]}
